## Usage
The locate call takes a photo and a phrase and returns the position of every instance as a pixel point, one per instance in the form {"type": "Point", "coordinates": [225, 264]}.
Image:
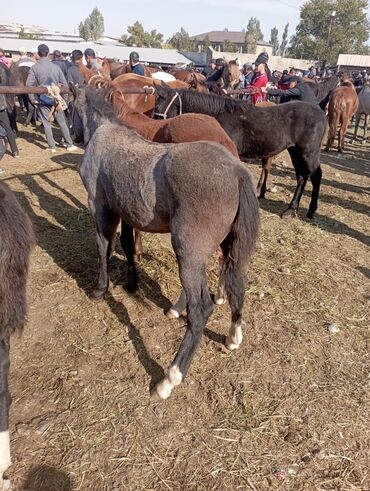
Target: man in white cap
{"type": "Point", "coordinates": [35, 54]}
{"type": "Point", "coordinates": [24, 59]}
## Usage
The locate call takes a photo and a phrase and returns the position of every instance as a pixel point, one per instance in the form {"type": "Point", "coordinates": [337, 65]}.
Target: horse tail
{"type": "Point", "coordinates": [240, 242]}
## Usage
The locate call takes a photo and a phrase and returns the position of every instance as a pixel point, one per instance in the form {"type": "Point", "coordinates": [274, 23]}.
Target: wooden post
{"type": "Point", "coordinates": [65, 90]}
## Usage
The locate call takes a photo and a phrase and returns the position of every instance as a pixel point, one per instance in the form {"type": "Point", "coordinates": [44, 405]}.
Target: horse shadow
{"type": "Point", "coordinates": [354, 163]}
{"type": "Point", "coordinates": [69, 239]}
{"type": "Point", "coordinates": [46, 478]}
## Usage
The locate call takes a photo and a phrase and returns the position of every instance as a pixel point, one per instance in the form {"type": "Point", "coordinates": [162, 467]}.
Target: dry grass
{"type": "Point", "coordinates": [289, 410]}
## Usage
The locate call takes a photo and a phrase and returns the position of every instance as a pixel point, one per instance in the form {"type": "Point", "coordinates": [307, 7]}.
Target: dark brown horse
{"type": "Point", "coordinates": [343, 105]}
{"type": "Point", "coordinates": [198, 192]}
{"type": "Point", "coordinates": [264, 132]}
{"type": "Point", "coordinates": [16, 239]}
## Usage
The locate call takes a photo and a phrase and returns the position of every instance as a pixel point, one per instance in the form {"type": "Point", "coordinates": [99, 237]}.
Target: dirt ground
{"type": "Point", "coordinates": [288, 411]}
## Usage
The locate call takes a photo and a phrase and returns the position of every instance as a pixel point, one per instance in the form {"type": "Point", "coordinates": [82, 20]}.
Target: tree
{"type": "Point", "coordinates": [92, 28]}
{"type": "Point", "coordinates": [229, 47]}
{"type": "Point", "coordinates": [330, 27]}
{"type": "Point", "coordinates": [252, 35]}
{"type": "Point", "coordinates": [181, 41]}
{"type": "Point", "coordinates": [284, 41]}
{"type": "Point", "coordinates": [274, 40]}
{"type": "Point", "coordinates": [141, 38]}
{"type": "Point", "coordinates": [22, 34]}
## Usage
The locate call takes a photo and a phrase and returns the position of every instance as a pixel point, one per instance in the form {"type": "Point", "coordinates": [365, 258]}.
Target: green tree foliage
{"type": "Point", "coordinates": [141, 38]}
{"type": "Point", "coordinates": [284, 41]}
{"type": "Point", "coordinates": [274, 40]}
{"type": "Point", "coordinates": [322, 36]}
{"type": "Point", "coordinates": [181, 41]}
{"type": "Point", "coordinates": [92, 28]}
{"type": "Point", "coordinates": [229, 47]}
{"type": "Point", "coordinates": [206, 44]}
{"type": "Point", "coordinates": [22, 34]}
{"type": "Point", "coordinates": [252, 35]}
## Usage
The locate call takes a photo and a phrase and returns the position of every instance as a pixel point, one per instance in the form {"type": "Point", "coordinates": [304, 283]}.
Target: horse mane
{"type": "Point", "coordinates": [212, 104]}
{"type": "Point", "coordinates": [96, 99]}
{"type": "Point", "coordinates": [347, 83]}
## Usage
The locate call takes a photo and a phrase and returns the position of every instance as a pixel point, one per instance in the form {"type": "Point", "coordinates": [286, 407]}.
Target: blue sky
{"type": "Point", "coordinates": [167, 16]}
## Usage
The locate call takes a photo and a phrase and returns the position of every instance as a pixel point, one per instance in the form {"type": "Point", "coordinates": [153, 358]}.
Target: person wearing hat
{"type": "Point", "coordinates": [136, 66]}
{"type": "Point", "coordinates": [210, 68]}
{"type": "Point", "coordinates": [4, 59]}
{"type": "Point", "coordinates": [24, 59]}
{"type": "Point", "coordinates": [91, 61]}
{"type": "Point", "coordinates": [44, 72]}
{"type": "Point", "coordinates": [60, 62]}
{"type": "Point", "coordinates": [296, 91]}
{"type": "Point", "coordinates": [247, 72]}
{"type": "Point", "coordinates": [219, 69]}
{"type": "Point", "coordinates": [260, 78]}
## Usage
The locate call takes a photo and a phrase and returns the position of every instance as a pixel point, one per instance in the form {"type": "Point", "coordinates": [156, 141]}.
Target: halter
{"type": "Point", "coordinates": [164, 115]}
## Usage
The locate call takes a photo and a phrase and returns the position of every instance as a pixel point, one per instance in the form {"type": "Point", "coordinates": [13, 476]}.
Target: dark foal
{"type": "Point", "coordinates": [261, 132]}
{"type": "Point", "coordinates": [198, 192]}
{"type": "Point", "coordinates": [15, 246]}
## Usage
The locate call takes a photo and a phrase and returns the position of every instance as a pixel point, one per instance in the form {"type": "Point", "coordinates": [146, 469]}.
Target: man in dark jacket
{"type": "Point", "coordinates": [209, 69]}
{"type": "Point", "coordinates": [5, 123]}
{"type": "Point", "coordinates": [297, 91]}
{"type": "Point", "coordinates": [74, 74]}
{"type": "Point", "coordinates": [44, 72]}
{"type": "Point", "coordinates": [136, 66]}
{"type": "Point", "coordinates": [60, 62]}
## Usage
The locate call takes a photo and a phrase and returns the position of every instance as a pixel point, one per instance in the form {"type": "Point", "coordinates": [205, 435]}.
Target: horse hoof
{"type": "Point", "coordinates": [161, 391]}
{"type": "Point", "coordinates": [219, 300]}
{"type": "Point", "coordinates": [230, 345]}
{"type": "Point", "coordinates": [261, 196]}
{"type": "Point", "coordinates": [97, 295]}
{"type": "Point", "coordinates": [289, 213]}
{"type": "Point", "coordinates": [310, 214]}
{"type": "Point", "coordinates": [138, 258]}
{"type": "Point", "coordinates": [172, 314]}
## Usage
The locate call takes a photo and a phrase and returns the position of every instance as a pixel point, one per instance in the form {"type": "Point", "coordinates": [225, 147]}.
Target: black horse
{"type": "Point", "coordinates": [261, 131]}
{"type": "Point", "coordinates": [198, 192]}
{"type": "Point", "coordinates": [16, 239]}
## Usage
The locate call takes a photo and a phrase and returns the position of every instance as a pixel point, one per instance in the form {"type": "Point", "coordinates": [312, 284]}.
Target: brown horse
{"type": "Point", "coordinates": [88, 73]}
{"type": "Point", "coordinates": [142, 103]}
{"type": "Point", "coordinates": [194, 79]}
{"type": "Point", "coordinates": [185, 128]}
{"type": "Point", "coordinates": [117, 69]}
{"type": "Point", "coordinates": [343, 105]}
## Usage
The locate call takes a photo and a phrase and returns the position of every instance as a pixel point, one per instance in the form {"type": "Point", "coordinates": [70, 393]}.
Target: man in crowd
{"type": "Point", "coordinates": [260, 77]}
{"type": "Point", "coordinates": [210, 68]}
{"type": "Point", "coordinates": [3, 59]}
{"type": "Point", "coordinates": [91, 60]}
{"type": "Point", "coordinates": [24, 59]}
{"type": "Point", "coordinates": [5, 124]}
{"type": "Point", "coordinates": [297, 91]}
{"type": "Point", "coordinates": [62, 63]}
{"type": "Point", "coordinates": [74, 74]}
{"type": "Point", "coordinates": [247, 73]}
{"type": "Point", "coordinates": [44, 72]}
{"type": "Point", "coordinates": [136, 66]}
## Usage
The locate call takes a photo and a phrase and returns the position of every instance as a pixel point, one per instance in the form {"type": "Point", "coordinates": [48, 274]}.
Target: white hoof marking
{"type": "Point", "coordinates": [172, 314]}
{"type": "Point", "coordinates": [5, 461]}
{"type": "Point", "coordinates": [173, 378]}
{"type": "Point", "coordinates": [235, 337]}
{"type": "Point", "coordinates": [220, 300]}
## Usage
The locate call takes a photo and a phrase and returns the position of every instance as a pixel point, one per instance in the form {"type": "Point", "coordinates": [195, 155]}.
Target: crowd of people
{"type": "Point", "coordinates": [45, 69]}
{"type": "Point", "coordinates": [54, 68]}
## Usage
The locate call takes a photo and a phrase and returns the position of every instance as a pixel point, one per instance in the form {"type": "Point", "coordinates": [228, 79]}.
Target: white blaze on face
{"type": "Point", "coordinates": [4, 457]}
{"type": "Point", "coordinates": [173, 378]}
{"type": "Point", "coordinates": [235, 336]}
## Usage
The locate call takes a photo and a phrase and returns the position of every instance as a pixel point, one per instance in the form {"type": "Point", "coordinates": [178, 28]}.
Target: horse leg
{"type": "Point", "coordinates": [301, 171]}
{"type": "Point", "coordinates": [5, 461]}
{"type": "Point", "coordinates": [138, 246]}
{"type": "Point", "coordinates": [357, 124]}
{"type": "Point", "coordinates": [128, 246]}
{"type": "Point", "coordinates": [315, 177]}
{"type": "Point", "coordinates": [342, 133]}
{"type": "Point", "coordinates": [220, 297]}
{"type": "Point", "coordinates": [262, 183]}
{"type": "Point", "coordinates": [106, 225]}
{"type": "Point", "coordinates": [178, 308]}
{"type": "Point", "coordinates": [193, 277]}
{"type": "Point", "coordinates": [365, 128]}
